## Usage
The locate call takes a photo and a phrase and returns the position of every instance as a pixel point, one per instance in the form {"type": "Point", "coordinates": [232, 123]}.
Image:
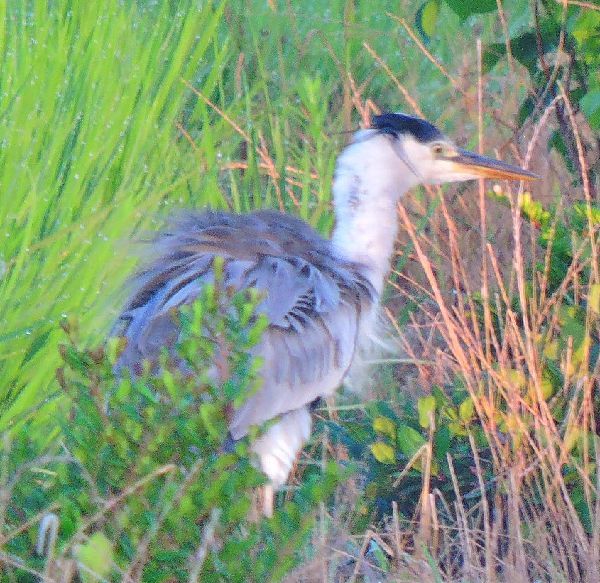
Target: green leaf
{"type": "Point", "coordinates": [547, 387]}
{"type": "Point", "coordinates": [96, 555]}
{"type": "Point", "coordinates": [491, 55]}
{"type": "Point", "coordinates": [524, 49]}
{"type": "Point", "coordinates": [586, 214]}
{"type": "Point", "coordinates": [557, 142]}
{"type": "Point", "coordinates": [440, 398]}
{"type": "Point", "coordinates": [466, 410]}
{"type": "Point", "coordinates": [457, 429]}
{"type": "Point", "coordinates": [572, 436]}
{"type": "Point", "coordinates": [426, 408]}
{"type": "Point", "coordinates": [409, 440]}
{"type": "Point", "coordinates": [572, 319]}
{"type": "Point", "coordinates": [525, 110]}
{"type": "Point", "coordinates": [590, 105]}
{"type": "Point", "coordinates": [441, 443]}
{"type": "Point", "coordinates": [383, 452]}
{"type": "Point", "coordinates": [256, 332]}
{"type": "Point", "coordinates": [534, 211]}
{"type": "Point", "coordinates": [594, 298]}
{"type": "Point", "coordinates": [385, 426]}
{"type": "Point", "coordinates": [211, 415]}
{"type": "Point", "coordinates": [586, 31]}
{"type": "Point", "coordinates": [380, 557]}
{"type": "Point", "coordinates": [466, 8]}
{"type": "Point", "coordinates": [426, 19]}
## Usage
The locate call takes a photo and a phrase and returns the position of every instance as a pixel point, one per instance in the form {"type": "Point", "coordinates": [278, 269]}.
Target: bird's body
{"type": "Point", "coordinates": [320, 295]}
{"type": "Point", "coordinates": [315, 304]}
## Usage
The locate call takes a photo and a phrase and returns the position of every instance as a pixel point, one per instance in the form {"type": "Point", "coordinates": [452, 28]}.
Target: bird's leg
{"type": "Point", "coordinates": [263, 503]}
{"type": "Point", "coordinates": [268, 500]}
{"type": "Point", "coordinates": [277, 449]}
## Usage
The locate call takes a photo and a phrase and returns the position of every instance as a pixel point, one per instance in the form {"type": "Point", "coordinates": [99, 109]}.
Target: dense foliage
{"type": "Point", "coordinates": [143, 482]}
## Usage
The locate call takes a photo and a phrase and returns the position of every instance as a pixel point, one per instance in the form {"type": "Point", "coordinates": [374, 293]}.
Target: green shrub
{"type": "Point", "coordinates": [144, 480]}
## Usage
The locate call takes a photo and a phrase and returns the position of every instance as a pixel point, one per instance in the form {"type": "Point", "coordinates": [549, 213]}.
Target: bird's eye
{"type": "Point", "coordinates": [437, 149]}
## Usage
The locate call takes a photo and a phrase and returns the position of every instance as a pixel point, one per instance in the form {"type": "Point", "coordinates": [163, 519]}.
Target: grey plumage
{"type": "Point", "coordinates": [313, 302]}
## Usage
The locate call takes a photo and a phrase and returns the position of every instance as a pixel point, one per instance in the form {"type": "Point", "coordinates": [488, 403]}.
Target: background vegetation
{"type": "Point", "coordinates": [474, 449]}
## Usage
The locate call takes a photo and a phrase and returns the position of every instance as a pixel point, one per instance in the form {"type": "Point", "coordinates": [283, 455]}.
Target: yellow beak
{"type": "Point", "coordinates": [471, 163]}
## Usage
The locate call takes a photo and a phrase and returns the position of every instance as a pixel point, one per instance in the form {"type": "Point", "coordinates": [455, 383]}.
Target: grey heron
{"type": "Point", "coordinates": [320, 295]}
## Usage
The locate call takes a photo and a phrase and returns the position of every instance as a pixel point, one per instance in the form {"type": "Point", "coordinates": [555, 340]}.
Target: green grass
{"type": "Point", "coordinates": [91, 93]}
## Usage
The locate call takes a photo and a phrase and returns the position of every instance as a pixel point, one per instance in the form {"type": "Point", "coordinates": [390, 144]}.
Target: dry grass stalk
{"type": "Point", "coordinates": [536, 465]}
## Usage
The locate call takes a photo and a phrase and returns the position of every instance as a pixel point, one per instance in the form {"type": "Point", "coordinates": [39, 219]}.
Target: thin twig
{"type": "Point", "coordinates": [208, 537]}
{"type": "Point", "coordinates": [585, 179]}
{"type": "Point", "coordinates": [111, 504]}
{"type": "Point", "coordinates": [588, 5]}
{"type": "Point", "coordinates": [505, 32]}
{"type": "Point", "coordinates": [424, 50]}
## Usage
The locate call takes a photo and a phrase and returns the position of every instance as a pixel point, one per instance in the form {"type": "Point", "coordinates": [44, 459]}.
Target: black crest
{"type": "Point", "coordinates": [400, 123]}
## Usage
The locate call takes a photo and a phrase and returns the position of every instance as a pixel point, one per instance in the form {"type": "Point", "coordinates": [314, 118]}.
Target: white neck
{"type": "Point", "coordinates": [370, 179]}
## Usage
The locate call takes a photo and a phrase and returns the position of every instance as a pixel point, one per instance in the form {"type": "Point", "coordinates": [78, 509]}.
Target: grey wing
{"type": "Point", "coordinates": [313, 304]}
{"type": "Point", "coordinates": [309, 344]}
{"type": "Point", "coordinates": [148, 323]}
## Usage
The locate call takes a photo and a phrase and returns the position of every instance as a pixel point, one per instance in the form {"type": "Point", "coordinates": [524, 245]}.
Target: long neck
{"type": "Point", "coordinates": [366, 224]}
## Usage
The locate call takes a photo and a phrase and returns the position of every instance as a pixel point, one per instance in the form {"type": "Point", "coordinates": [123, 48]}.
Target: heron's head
{"type": "Point", "coordinates": [435, 159]}
{"type": "Point", "coordinates": [381, 163]}
{"type": "Point", "coordinates": [402, 150]}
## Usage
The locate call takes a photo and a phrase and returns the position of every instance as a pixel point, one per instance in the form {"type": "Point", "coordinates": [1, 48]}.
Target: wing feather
{"type": "Point", "coordinates": [314, 302]}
